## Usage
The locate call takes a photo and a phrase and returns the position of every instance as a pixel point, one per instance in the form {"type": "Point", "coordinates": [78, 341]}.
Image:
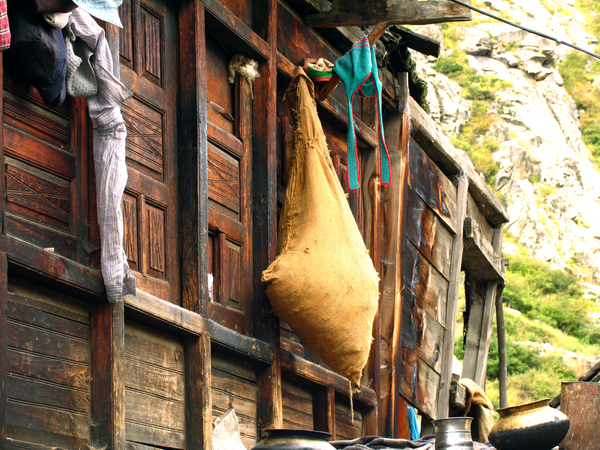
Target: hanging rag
{"type": "Point", "coordinates": [109, 155]}
{"type": "Point", "coordinates": [478, 406]}
{"type": "Point", "coordinates": [358, 70]}
{"type": "Point", "coordinates": [4, 27]}
{"type": "Point", "coordinates": [106, 10]}
{"type": "Point", "coordinates": [322, 283]}
{"type": "Point", "coordinates": [38, 51]}
{"type": "Point", "coordinates": [81, 79]}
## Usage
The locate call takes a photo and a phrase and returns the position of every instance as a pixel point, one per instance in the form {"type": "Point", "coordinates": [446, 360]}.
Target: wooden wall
{"type": "Point", "coordinates": [206, 162]}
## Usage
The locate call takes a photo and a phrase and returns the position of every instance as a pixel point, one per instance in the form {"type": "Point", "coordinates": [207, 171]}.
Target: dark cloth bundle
{"type": "Point", "coordinates": [38, 51]}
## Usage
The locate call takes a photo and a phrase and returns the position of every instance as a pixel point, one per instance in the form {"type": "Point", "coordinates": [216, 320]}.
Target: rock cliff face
{"type": "Point", "coordinates": [551, 187]}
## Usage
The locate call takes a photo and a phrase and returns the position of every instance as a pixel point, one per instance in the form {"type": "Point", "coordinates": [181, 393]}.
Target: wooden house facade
{"type": "Point", "coordinates": [206, 162]}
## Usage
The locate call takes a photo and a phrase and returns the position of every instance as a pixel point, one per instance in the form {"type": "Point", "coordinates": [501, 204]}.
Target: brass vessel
{"type": "Point", "coordinates": [294, 440]}
{"type": "Point", "coordinates": [531, 426]}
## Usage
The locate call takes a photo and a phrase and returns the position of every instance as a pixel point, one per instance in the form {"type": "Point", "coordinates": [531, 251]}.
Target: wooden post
{"type": "Point", "coordinates": [193, 158]}
{"type": "Point", "coordinates": [502, 360]}
{"type": "Point", "coordinates": [107, 429]}
{"type": "Point", "coordinates": [264, 172]}
{"type": "Point", "coordinates": [393, 412]}
{"type": "Point", "coordinates": [452, 303]}
{"type": "Point", "coordinates": [3, 343]}
{"type": "Point", "coordinates": [198, 392]}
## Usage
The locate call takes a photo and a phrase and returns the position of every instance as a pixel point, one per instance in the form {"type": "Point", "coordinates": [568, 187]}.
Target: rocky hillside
{"type": "Point", "coordinates": [544, 171]}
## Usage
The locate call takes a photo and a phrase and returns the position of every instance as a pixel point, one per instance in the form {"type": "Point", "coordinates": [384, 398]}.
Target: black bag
{"type": "Point", "coordinates": [53, 6]}
{"type": "Point", "coordinates": [38, 51]}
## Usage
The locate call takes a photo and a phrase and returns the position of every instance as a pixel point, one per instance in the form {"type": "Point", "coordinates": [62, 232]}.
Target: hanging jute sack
{"type": "Point", "coordinates": [322, 283]}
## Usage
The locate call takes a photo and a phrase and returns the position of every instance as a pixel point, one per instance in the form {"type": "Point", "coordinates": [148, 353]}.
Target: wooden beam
{"type": "Point", "coordinates": [502, 356]}
{"type": "Point", "coordinates": [107, 427]}
{"type": "Point", "coordinates": [264, 177]}
{"type": "Point", "coordinates": [406, 12]}
{"type": "Point", "coordinates": [193, 156]}
{"type": "Point", "coordinates": [479, 258]}
{"type": "Point", "coordinates": [418, 42]}
{"type": "Point", "coordinates": [307, 372]}
{"type": "Point", "coordinates": [198, 392]}
{"type": "Point", "coordinates": [452, 300]}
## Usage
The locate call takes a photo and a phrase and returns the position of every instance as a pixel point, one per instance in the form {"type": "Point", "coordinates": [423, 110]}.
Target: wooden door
{"type": "Point", "coordinates": [148, 56]}
{"type": "Point", "coordinates": [229, 190]}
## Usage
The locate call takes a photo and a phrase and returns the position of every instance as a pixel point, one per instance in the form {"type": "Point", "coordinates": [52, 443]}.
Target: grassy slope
{"type": "Point", "coordinates": [552, 307]}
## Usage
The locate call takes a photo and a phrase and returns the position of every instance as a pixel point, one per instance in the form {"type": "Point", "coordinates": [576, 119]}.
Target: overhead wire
{"type": "Point", "coordinates": [529, 30]}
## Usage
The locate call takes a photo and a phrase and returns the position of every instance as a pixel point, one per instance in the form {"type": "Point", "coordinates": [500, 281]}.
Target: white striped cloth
{"type": "Point", "coordinates": [109, 156]}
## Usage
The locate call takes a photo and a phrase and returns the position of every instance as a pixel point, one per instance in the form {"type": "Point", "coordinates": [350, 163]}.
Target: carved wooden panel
{"type": "Point", "coordinates": [44, 169]}
{"type": "Point", "coordinates": [130, 223]}
{"type": "Point", "coordinates": [148, 45]}
{"type": "Point", "coordinates": [224, 180]}
{"type": "Point", "coordinates": [155, 221]}
{"type": "Point", "coordinates": [144, 136]}
{"type": "Point", "coordinates": [152, 39]}
{"type": "Point", "coordinates": [220, 93]}
{"type": "Point", "coordinates": [48, 367]}
{"type": "Point", "coordinates": [45, 196]}
{"type": "Point", "coordinates": [233, 294]}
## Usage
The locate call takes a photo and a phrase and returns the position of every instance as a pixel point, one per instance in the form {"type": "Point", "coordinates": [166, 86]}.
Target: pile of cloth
{"type": "Point", "coordinates": [58, 47]}
{"type": "Point", "coordinates": [380, 443]}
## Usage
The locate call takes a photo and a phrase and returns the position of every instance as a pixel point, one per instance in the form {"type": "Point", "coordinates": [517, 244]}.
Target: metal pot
{"type": "Point", "coordinates": [294, 440]}
{"type": "Point", "coordinates": [531, 426]}
{"type": "Point", "coordinates": [453, 433]}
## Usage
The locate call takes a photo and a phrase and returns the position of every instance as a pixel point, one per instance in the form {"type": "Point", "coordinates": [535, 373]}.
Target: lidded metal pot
{"type": "Point", "coordinates": [453, 433]}
{"type": "Point", "coordinates": [294, 440]}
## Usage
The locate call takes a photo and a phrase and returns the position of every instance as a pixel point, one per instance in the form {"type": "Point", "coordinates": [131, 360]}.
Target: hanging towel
{"type": "Point", "coordinates": [358, 71]}
{"type": "Point", "coordinates": [106, 10]}
{"type": "Point", "coordinates": [109, 155]}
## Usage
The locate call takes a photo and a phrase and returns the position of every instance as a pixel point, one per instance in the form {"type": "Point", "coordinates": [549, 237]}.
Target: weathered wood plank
{"type": "Point", "coordinates": [419, 42]}
{"type": "Point", "coordinates": [407, 12]}
{"type": "Point", "coordinates": [443, 397]}
{"type": "Point", "coordinates": [428, 233]}
{"type": "Point", "coordinates": [160, 438]}
{"type": "Point", "coordinates": [39, 367]}
{"type": "Point", "coordinates": [432, 185]}
{"type": "Point", "coordinates": [424, 282]}
{"type": "Point", "coordinates": [30, 338]}
{"type": "Point", "coordinates": [297, 406]}
{"type": "Point", "coordinates": [154, 412]}
{"type": "Point", "coordinates": [154, 380]}
{"type": "Point", "coordinates": [19, 311]}
{"type": "Point", "coordinates": [30, 422]}
{"type": "Point", "coordinates": [150, 346]}
{"type": "Point", "coordinates": [348, 423]}
{"type": "Point", "coordinates": [45, 394]}
{"type": "Point", "coordinates": [452, 161]}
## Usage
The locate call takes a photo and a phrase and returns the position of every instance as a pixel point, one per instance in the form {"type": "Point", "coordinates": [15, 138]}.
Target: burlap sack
{"type": "Point", "coordinates": [323, 283]}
